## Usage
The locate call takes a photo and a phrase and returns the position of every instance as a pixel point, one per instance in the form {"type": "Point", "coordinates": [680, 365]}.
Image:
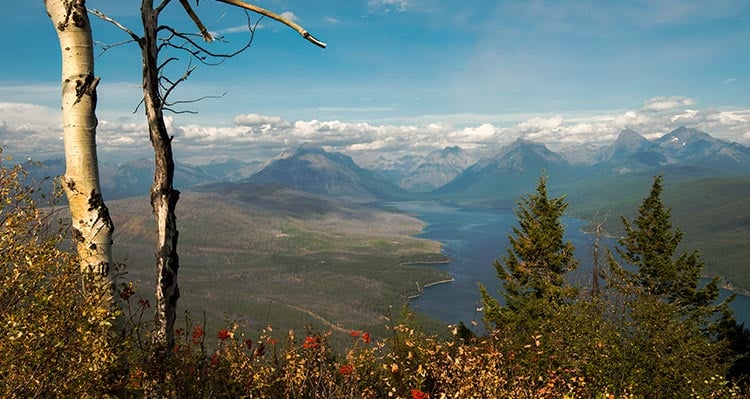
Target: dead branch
{"type": "Point", "coordinates": [122, 27]}
{"type": "Point", "coordinates": [189, 10]}
{"type": "Point", "coordinates": [161, 6]}
{"type": "Point", "coordinates": [167, 106]}
{"type": "Point", "coordinates": [172, 85]}
{"type": "Point", "coordinates": [262, 11]}
{"type": "Point", "coordinates": [197, 51]}
{"type": "Point", "coordinates": [105, 46]}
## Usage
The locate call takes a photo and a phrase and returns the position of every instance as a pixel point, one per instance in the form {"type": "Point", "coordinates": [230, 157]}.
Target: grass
{"type": "Point", "coordinates": [337, 268]}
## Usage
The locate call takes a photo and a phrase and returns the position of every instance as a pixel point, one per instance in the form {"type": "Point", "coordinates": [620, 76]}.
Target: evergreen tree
{"type": "Point", "coordinates": [532, 272]}
{"type": "Point", "coordinates": [650, 245]}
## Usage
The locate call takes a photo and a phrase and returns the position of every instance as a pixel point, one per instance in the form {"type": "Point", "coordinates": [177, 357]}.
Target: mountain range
{"type": "Point", "coordinates": [450, 173]}
{"type": "Point", "coordinates": [707, 181]}
{"type": "Point", "coordinates": [311, 169]}
{"type": "Point", "coordinates": [425, 173]}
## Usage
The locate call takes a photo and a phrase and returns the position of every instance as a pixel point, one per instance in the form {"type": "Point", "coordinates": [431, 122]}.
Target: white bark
{"type": "Point", "coordinates": [91, 225]}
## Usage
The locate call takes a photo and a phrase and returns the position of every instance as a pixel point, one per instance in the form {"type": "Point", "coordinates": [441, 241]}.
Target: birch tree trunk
{"type": "Point", "coordinates": [163, 195]}
{"type": "Point", "coordinates": [91, 225]}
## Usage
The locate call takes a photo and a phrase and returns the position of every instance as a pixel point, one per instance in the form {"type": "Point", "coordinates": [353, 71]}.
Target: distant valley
{"type": "Point", "coordinates": [707, 184]}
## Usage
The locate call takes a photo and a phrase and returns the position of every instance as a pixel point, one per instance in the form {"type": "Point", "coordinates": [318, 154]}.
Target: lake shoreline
{"type": "Point", "coordinates": [428, 285]}
{"type": "Point", "coordinates": [473, 239]}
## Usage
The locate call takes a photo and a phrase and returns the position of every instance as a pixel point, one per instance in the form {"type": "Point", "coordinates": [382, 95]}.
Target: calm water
{"type": "Point", "coordinates": [473, 238]}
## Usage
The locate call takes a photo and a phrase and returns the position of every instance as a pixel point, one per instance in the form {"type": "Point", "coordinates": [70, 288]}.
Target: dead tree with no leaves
{"type": "Point", "coordinates": [156, 91]}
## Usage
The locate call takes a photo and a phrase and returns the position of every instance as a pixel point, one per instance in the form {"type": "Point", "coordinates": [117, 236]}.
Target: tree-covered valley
{"type": "Point", "coordinates": [312, 242]}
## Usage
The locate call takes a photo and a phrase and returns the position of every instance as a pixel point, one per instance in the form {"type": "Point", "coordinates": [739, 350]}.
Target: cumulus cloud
{"type": "Point", "coordinates": [27, 129]}
{"type": "Point", "coordinates": [483, 133]}
{"type": "Point", "coordinates": [657, 104]}
{"type": "Point", "coordinates": [290, 16]}
{"type": "Point", "coordinates": [257, 120]}
{"type": "Point", "coordinates": [541, 124]}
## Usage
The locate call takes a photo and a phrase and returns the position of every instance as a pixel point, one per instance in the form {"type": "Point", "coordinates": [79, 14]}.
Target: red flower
{"type": "Point", "coordinates": [198, 333]}
{"type": "Point", "coordinates": [417, 394]}
{"type": "Point", "coordinates": [214, 359]}
{"type": "Point", "coordinates": [310, 343]}
{"type": "Point", "coordinates": [366, 337]}
{"type": "Point", "coordinates": [346, 369]}
{"type": "Point", "coordinates": [224, 334]}
{"type": "Point", "coordinates": [354, 333]}
{"type": "Point", "coordinates": [249, 343]}
{"type": "Point", "coordinates": [144, 303]}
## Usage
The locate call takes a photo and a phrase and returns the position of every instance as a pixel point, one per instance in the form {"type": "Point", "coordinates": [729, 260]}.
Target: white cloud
{"type": "Point", "coordinates": [290, 16]}
{"type": "Point", "coordinates": [29, 130]}
{"type": "Point", "coordinates": [332, 20]}
{"type": "Point", "coordinates": [390, 5]}
{"type": "Point", "coordinates": [686, 115]}
{"type": "Point", "coordinates": [667, 103]}
{"type": "Point", "coordinates": [541, 124]}
{"type": "Point", "coordinates": [729, 81]}
{"type": "Point", "coordinates": [483, 133]}
{"type": "Point", "coordinates": [256, 120]}
{"type": "Point", "coordinates": [239, 29]}
{"type": "Point", "coordinates": [32, 130]}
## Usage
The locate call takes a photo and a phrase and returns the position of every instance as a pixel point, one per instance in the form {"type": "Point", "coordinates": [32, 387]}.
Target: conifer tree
{"type": "Point", "coordinates": [650, 245]}
{"type": "Point", "coordinates": [533, 270]}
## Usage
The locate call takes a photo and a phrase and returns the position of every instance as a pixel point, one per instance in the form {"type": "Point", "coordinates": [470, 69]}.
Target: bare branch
{"type": "Point", "coordinates": [182, 78]}
{"type": "Point", "coordinates": [115, 23]}
{"type": "Point", "coordinates": [105, 46]}
{"type": "Point", "coordinates": [138, 106]}
{"type": "Point", "coordinates": [262, 11]}
{"type": "Point", "coordinates": [161, 6]}
{"type": "Point", "coordinates": [189, 10]}
{"type": "Point", "coordinates": [198, 49]}
{"type": "Point", "coordinates": [189, 102]}
{"type": "Point", "coordinates": [167, 61]}
{"type": "Point", "coordinates": [184, 111]}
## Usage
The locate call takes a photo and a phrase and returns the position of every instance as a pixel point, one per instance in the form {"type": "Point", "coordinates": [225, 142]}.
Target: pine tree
{"type": "Point", "coordinates": [650, 245]}
{"type": "Point", "coordinates": [533, 270]}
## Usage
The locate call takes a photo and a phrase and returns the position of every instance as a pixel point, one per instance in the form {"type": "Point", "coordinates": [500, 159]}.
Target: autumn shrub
{"type": "Point", "coordinates": [57, 341]}
{"type": "Point", "coordinates": [55, 335]}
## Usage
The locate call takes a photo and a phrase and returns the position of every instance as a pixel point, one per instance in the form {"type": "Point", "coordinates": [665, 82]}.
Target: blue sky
{"type": "Point", "coordinates": [403, 76]}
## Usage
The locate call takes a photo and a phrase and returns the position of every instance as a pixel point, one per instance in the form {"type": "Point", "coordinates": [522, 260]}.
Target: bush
{"type": "Point", "coordinates": [54, 333]}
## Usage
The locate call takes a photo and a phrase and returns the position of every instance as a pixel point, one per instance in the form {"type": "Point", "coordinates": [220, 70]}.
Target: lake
{"type": "Point", "coordinates": [473, 238]}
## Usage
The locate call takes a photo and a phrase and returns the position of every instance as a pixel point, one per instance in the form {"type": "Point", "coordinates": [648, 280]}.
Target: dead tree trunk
{"type": "Point", "coordinates": [156, 90]}
{"type": "Point", "coordinates": [163, 195]}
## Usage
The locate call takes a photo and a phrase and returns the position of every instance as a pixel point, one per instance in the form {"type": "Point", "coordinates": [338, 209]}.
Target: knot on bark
{"type": "Point", "coordinates": [86, 86]}
{"type": "Point", "coordinates": [96, 202]}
